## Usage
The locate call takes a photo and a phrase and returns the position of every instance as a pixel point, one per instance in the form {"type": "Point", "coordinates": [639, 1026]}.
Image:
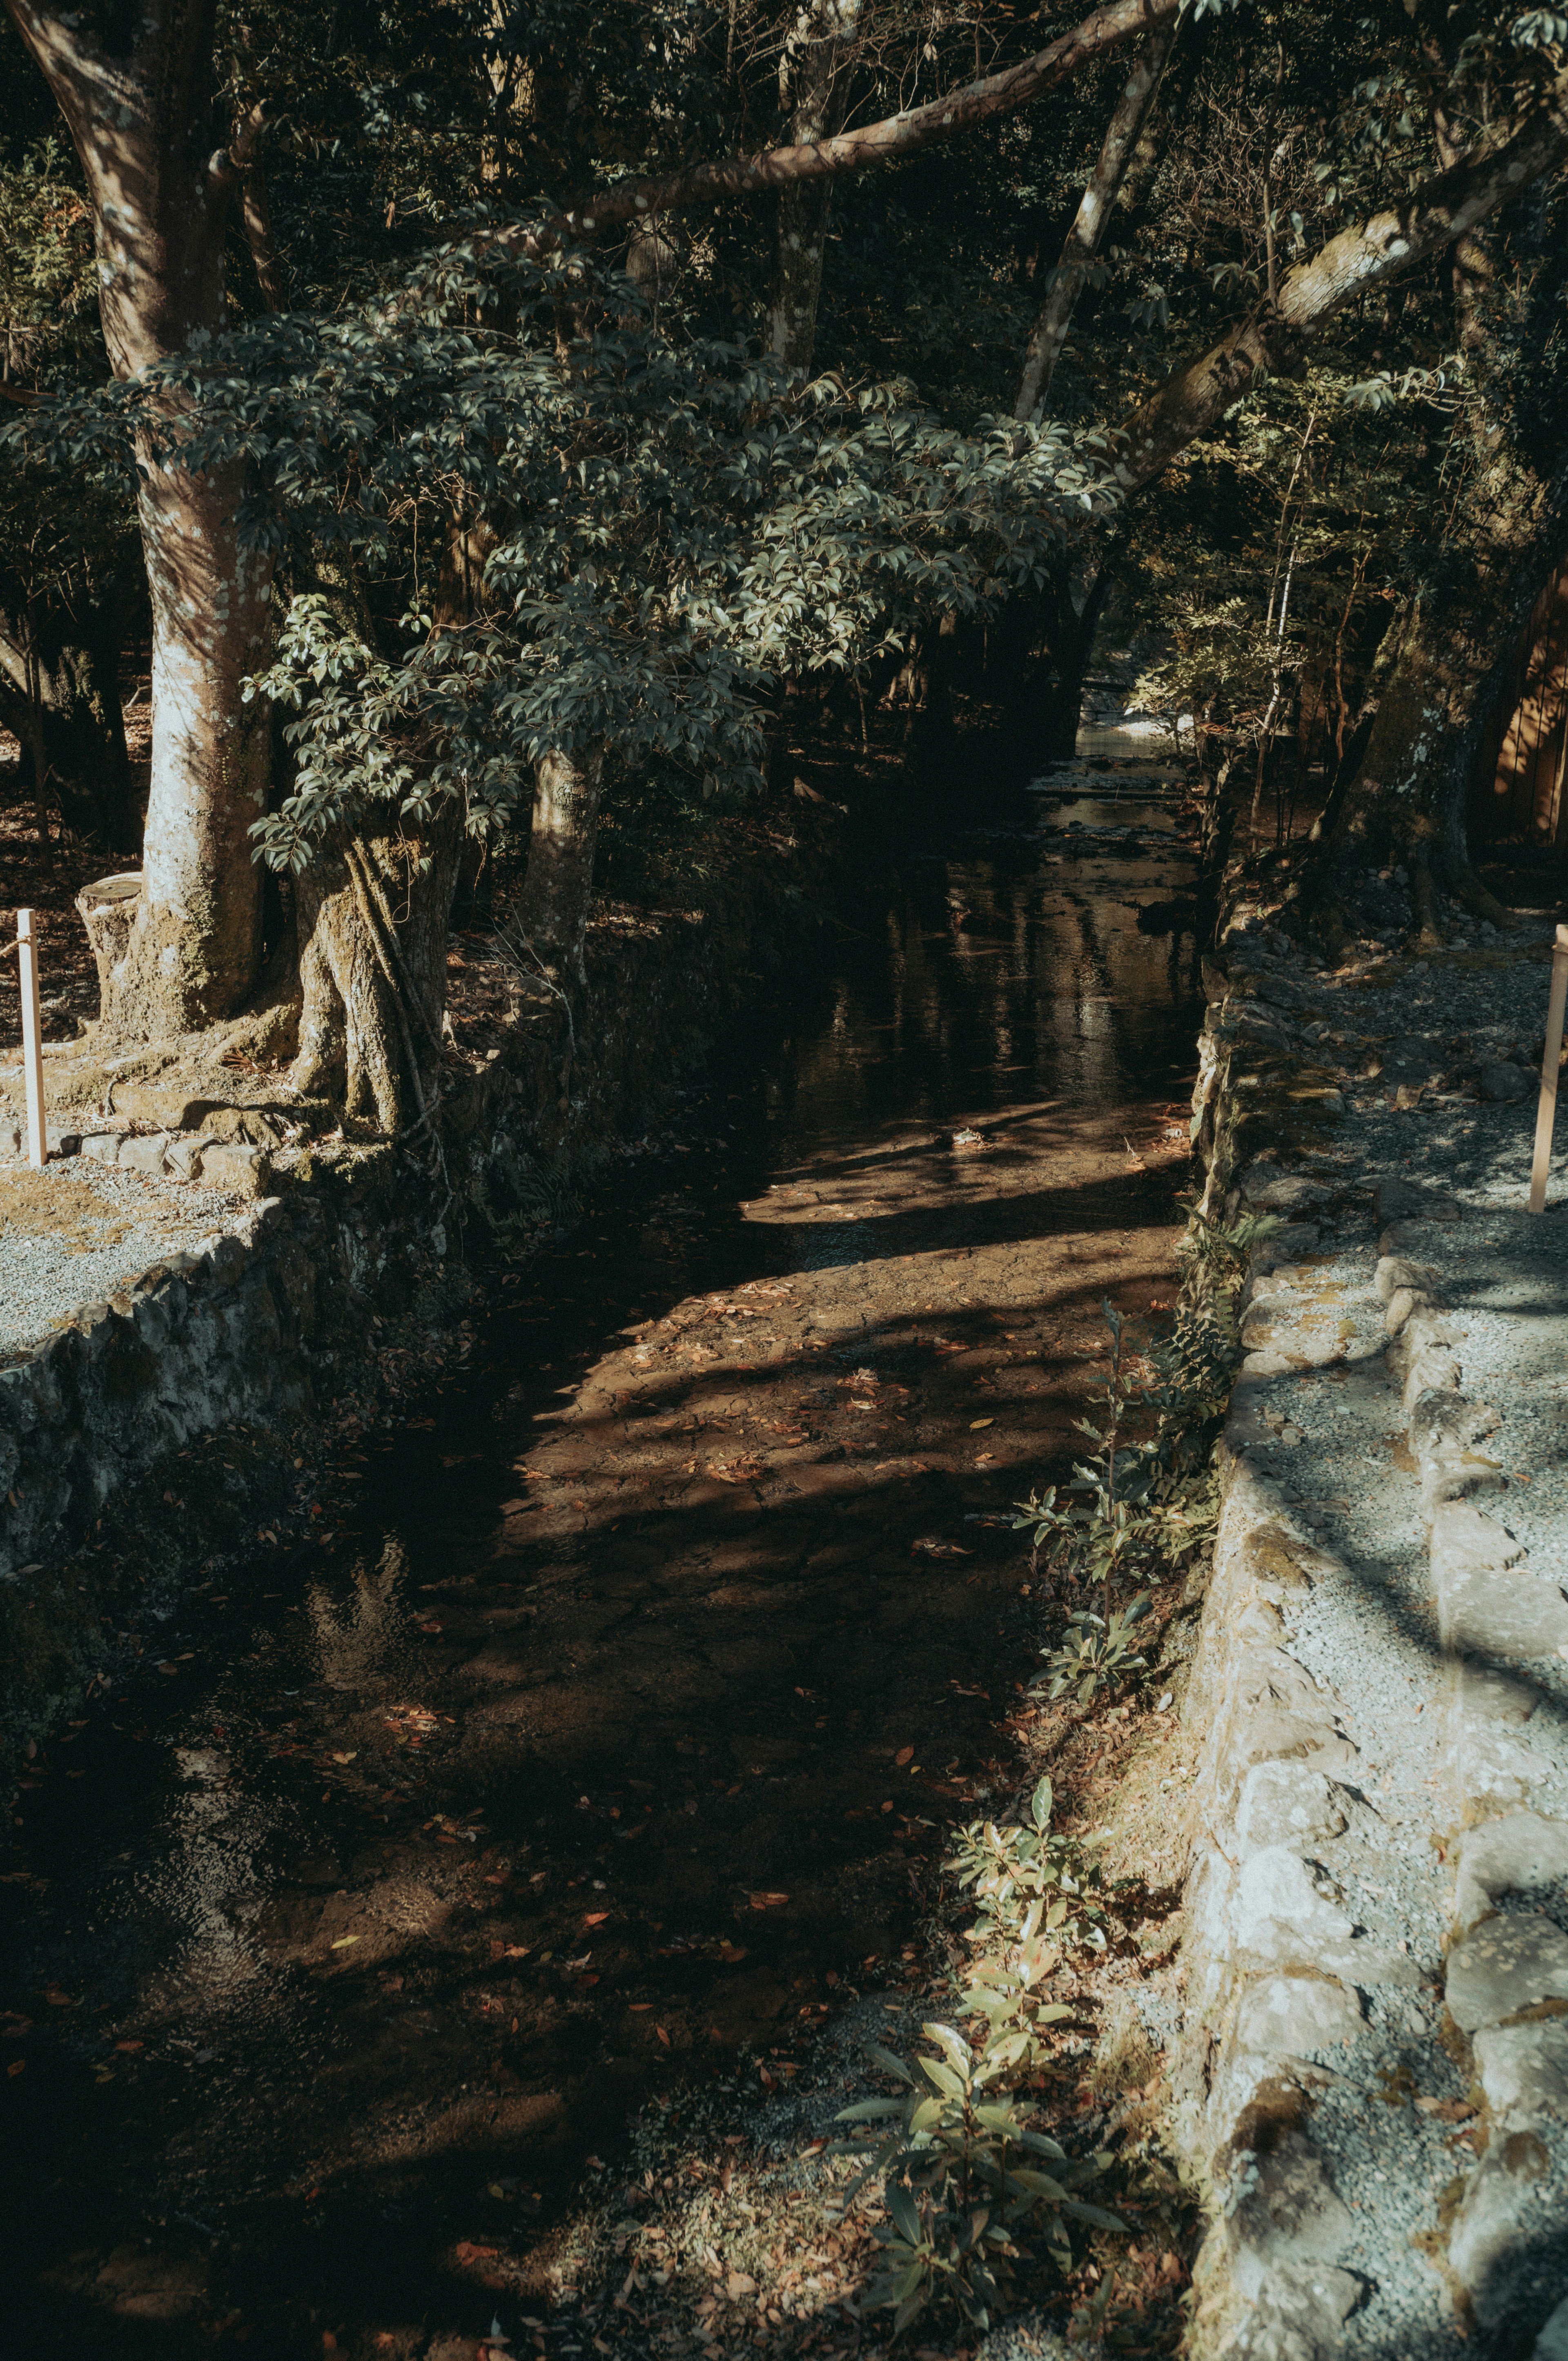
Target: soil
{"type": "Point", "coordinates": [607, 1746]}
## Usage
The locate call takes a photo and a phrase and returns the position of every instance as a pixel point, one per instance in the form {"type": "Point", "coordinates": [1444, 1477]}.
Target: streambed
{"type": "Point", "coordinates": [608, 1739]}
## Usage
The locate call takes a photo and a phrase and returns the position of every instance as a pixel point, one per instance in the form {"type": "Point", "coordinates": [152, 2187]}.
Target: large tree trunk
{"type": "Point", "coordinates": [552, 913]}
{"type": "Point", "coordinates": [372, 911]}
{"type": "Point", "coordinates": [813, 88]}
{"type": "Point", "coordinates": [1084, 239]}
{"type": "Point", "coordinates": [142, 117]}
{"type": "Point", "coordinates": [196, 944]}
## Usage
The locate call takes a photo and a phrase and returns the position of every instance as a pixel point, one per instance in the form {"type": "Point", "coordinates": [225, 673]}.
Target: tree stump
{"type": "Point", "coordinates": [108, 909]}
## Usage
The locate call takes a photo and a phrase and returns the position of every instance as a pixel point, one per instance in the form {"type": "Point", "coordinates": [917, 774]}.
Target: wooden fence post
{"type": "Point", "coordinates": [32, 1046]}
{"type": "Point", "coordinates": [1546, 1113]}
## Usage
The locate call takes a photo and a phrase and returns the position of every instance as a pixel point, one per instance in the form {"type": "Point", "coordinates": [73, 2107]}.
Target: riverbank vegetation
{"type": "Point", "coordinates": [522, 407]}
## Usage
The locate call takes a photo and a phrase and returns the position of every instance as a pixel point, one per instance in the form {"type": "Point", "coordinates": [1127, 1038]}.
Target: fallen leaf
{"type": "Point", "coordinates": [466, 2252]}
{"type": "Point", "coordinates": [17, 2066]}
{"type": "Point", "coordinates": [128, 2045]}
{"type": "Point", "coordinates": [768, 1901]}
{"type": "Point", "coordinates": [731, 1952]}
{"type": "Point", "coordinates": [345, 1758]}
{"type": "Point", "coordinates": [58, 1999]}
{"type": "Point", "coordinates": [663, 2035]}
{"type": "Point", "coordinates": [595, 1917]}
{"type": "Point", "coordinates": [344, 1941]}
{"type": "Point", "coordinates": [637, 2007]}
{"type": "Point", "coordinates": [976, 1423]}
{"type": "Point", "coordinates": [905, 1754]}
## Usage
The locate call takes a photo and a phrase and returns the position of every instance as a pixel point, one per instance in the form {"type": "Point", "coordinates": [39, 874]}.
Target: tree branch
{"type": "Point", "coordinates": [1086, 235]}
{"type": "Point", "coordinates": [889, 141]}
{"type": "Point", "coordinates": [1367, 256]}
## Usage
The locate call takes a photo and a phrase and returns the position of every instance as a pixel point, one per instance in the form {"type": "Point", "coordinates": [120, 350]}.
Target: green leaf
{"type": "Point", "coordinates": [955, 2045]}
{"type": "Point", "coordinates": [1095, 2215]}
{"type": "Point", "coordinates": [906, 2212]}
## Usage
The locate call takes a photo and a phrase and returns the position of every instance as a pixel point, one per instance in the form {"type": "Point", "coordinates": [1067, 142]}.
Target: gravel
{"type": "Point", "coordinates": [1456, 1038]}
{"type": "Point", "coordinates": [79, 1232]}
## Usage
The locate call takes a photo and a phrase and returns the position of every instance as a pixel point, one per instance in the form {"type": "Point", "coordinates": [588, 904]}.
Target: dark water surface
{"type": "Point", "coordinates": [578, 1764]}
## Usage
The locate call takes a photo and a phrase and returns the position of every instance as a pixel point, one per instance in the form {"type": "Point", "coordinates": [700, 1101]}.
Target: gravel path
{"type": "Point", "coordinates": [1399, 1416]}
{"type": "Point", "coordinates": [78, 1232]}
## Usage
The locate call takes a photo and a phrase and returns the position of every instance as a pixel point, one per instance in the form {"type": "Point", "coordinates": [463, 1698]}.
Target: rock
{"type": "Point", "coordinates": [244, 1126]}
{"type": "Point", "coordinates": [103, 1147]}
{"type": "Point", "coordinates": [1496, 1613]}
{"type": "Point", "coordinates": [142, 1153]}
{"type": "Point", "coordinates": [1510, 2234]}
{"type": "Point", "coordinates": [1503, 1084]}
{"type": "Point", "coordinates": [172, 1106]}
{"type": "Point", "coordinates": [1268, 1191]}
{"type": "Point", "coordinates": [1280, 2015]}
{"type": "Point", "coordinates": [1399, 1200]}
{"type": "Point", "coordinates": [1286, 1804]}
{"type": "Point", "coordinates": [1397, 1271]}
{"type": "Point", "coordinates": [1552, 2345]}
{"type": "Point", "coordinates": [1400, 1304]}
{"type": "Point", "coordinates": [240, 1170]}
{"type": "Point", "coordinates": [1298, 2315]}
{"type": "Point", "coordinates": [1287, 2211]}
{"type": "Point", "coordinates": [1520, 1853]}
{"type": "Point", "coordinates": [182, 1159]}
{"type": "Point", "coordinates": [1524, 2069]}
{"type": "Point", "coordinates": [1508, 1964]}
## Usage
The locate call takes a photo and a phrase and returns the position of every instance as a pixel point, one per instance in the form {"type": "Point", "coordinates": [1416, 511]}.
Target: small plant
{"type": "Point", "coordinates": [1100, 1538]}
{"type": "Point", "coordinates": [1026, 1880]}
{"type": "Point", "coordinates": [1217, 1252]}
{"type": "Point", "coordinates": [963, 2178]}
{"type": "Point", "coordinates": [1097, 1653]}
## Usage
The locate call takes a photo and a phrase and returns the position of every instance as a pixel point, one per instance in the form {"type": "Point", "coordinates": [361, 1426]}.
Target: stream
{"type": "Point", "coordinates": [612, 1735]}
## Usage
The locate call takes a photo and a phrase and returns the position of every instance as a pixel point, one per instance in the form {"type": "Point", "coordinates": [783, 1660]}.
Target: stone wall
{"type": "Point", "coordinates": [348, 1249]}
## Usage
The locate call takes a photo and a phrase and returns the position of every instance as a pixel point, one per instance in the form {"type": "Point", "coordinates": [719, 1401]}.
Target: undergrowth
{"type": "Point", "coordinates": [974, 2187]}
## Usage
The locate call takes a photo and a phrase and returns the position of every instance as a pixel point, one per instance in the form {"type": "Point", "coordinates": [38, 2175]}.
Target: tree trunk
{"type": "Point", "coordinates": [372, 911]}
{"type": "Point", "coordinates": [139, 106]}
{"type": "Point", "coordinates": [553, 910]}
{"type": "Point", "coordinates": [1086, 235]}
{"type": "Point", "coordinates": [196, 942]}
{"type": "Point", "coordinates": [1411, 795]}
{"type": "Point", "coordinates": [813, 88]}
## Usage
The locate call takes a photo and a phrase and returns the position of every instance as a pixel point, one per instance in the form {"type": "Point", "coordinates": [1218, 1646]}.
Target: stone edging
{"type": "Point", "coordinates": [338, 1286]}
{"type": "Point", "coordinates": [1287, 1998]}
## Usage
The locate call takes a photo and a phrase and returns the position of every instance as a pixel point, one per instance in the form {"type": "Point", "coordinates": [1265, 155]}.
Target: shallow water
{"type": "Point", "coordinates": [619, 1719]}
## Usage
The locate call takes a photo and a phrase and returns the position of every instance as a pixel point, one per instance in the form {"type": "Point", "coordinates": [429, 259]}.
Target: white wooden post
{"type": "Point", "coordinates": [32, 1045]}
{"type": "Point", "coordinates": [1546, 1113]}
